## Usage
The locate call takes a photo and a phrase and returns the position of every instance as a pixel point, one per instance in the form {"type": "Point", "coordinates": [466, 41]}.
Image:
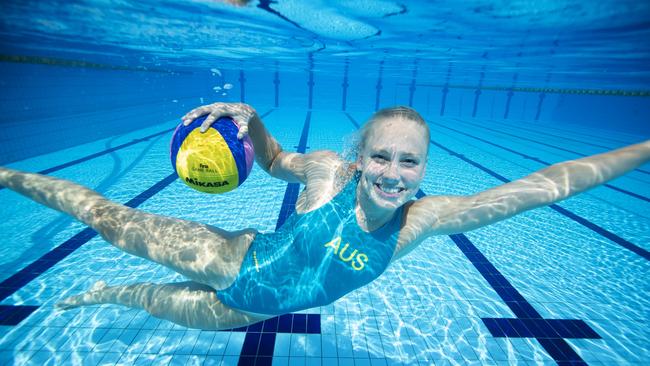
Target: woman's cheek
{"type": "Point", "coordinates": [412, 179]}
{"type": "Point", "coordinates": [411, 175]}
{"type": "Point", "coordinates": [374, 169]}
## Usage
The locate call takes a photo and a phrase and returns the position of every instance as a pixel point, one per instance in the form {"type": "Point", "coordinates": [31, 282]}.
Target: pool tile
{"type": "Point", "coordinates": [282, 345]}
{"type": "Point", "coordinates": [280, 361]}
{"type": "Point", "coordinates": [235, 343]}
{"type": "Point", "coordinates": [219, 344]}
{"type": "Point", "coordinates": [298, 346]}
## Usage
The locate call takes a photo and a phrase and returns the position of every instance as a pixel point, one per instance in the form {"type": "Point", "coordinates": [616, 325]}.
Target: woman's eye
{"type": "Point", "coordinates": [379, 158]}
{"type": "Point", "coordinates": [410, 162]}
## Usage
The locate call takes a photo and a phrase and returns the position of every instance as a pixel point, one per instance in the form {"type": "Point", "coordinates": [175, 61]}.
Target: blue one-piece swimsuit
{"type": "Point", "coordinates": [312, 260]}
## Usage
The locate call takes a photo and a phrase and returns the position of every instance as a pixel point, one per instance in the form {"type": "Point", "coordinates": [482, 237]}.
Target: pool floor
{"type": "Point", "coordinates": [566, 284]}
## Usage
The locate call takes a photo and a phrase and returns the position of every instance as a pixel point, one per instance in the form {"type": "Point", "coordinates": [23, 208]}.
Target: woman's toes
{"type": "Point", "coordinates": [99, 285]}
{"type": "Point", "coordinates": [68, 303]}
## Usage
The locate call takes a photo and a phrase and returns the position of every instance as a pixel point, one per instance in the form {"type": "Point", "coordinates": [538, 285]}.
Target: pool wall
{"type": "Point", "coordinates": [49, 106]}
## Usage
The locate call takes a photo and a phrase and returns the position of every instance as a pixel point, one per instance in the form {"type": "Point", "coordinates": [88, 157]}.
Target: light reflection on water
{"type": "Point", "coordinates": [426, 307]}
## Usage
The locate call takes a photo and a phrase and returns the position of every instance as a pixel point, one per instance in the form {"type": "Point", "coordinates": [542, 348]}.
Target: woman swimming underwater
{"type": "Point", "coordinates": [351, 220]}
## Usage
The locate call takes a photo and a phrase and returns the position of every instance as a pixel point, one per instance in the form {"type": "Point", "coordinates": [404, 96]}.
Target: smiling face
{"type": "Point", "coordinates": [392, 161]}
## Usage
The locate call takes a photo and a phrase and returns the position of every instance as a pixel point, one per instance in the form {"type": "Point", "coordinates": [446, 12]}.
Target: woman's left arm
{"type": "Point", "coordinates": [456, 214]}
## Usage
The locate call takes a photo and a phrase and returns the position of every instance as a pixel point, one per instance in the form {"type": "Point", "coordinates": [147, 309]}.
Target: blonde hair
{"type": "Point", "coordinates": [399, 111]}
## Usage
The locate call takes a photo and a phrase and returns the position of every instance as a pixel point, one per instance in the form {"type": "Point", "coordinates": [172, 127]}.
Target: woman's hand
{"type": "Point", "coordinates": [241, 113]}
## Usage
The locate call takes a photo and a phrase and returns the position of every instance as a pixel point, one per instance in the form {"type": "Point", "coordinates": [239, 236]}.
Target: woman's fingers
{"type": "Point", "coordinates": [195, 113]}
{"type": "Point", "coordinates": [209, 121]}
{"type": "Point", "coordinates": [243, 131]}
{"type": "Point", "coordinates": [240, 112]}
{"type": "Point", "coordinates": [240, 121]}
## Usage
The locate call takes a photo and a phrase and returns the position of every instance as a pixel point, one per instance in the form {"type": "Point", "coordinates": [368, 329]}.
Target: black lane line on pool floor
{"type": "Point", "coordinates": [540, 143]}
{"type": "Point", "coordinates": [100, 153]}
{"type": "Point", "coordinates": [564, 137]}
{"type": "Point", "coordinates": [14, 314]}
{"type": "Point", "coordinates": [579, 219]}
{"type": "Point", "coordinates": [550, 333]}
{"type": "Point", "coordinates": [525, 156]}
{"type": "Point", "coordinates": [291, 193]}
{"type": "Point", "coordinates": [259, 342]}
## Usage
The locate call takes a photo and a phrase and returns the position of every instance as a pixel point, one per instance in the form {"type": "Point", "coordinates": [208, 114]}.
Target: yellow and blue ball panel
{"type": "Point", "coordinates": [214, 161]}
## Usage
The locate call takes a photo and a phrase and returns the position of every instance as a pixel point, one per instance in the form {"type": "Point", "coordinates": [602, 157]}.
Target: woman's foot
{"type": "Point", "coordinates": [88, 298]}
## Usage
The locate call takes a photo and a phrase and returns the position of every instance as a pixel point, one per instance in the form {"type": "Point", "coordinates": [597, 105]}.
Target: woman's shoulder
{"type": "Point", "coordinates": [326, 178]}
{"type": "Point", "coordinates": [325, 165]}
{"type": "Point", "coordinates": [324, 157]}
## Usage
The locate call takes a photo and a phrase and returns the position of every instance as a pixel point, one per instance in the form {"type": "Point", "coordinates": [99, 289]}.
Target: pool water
{"type": "Point", "coordinates": [430, 307]}
{"type": "Point", "coordinates": [565, 284]}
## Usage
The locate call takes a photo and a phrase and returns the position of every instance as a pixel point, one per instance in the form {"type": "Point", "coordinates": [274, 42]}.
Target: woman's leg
{"type": "Point", "coordinates": [189, 304]}
{"type": "Point", "coordinates": [202, 253]}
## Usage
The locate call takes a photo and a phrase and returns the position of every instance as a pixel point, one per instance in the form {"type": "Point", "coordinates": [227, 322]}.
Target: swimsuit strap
{"type": "Point", "coordinates": [347, 197]}
{"type": "Point", "coordinates": [345, 200]}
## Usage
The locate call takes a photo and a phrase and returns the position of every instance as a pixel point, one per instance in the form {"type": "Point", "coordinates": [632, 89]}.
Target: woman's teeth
{"type": "Point", "coordinates": [390, 190]}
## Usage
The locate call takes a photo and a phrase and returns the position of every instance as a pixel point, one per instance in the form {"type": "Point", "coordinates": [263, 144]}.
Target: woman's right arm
{"type": "Point", "coordinates": [269, 155]}
{"type": "Point", "coordinates": [268, 152]}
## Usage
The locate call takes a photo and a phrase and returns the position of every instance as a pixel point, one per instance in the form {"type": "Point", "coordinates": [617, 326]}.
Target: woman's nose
{"type": "Point", "coordinates": [392, 171]}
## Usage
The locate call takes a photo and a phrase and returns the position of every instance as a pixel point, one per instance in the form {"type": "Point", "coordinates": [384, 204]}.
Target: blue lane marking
{"type": "Point", "coordinates": [258, 347]}
{"type": "Point", "coordinates": [511, 93]}
{"type": "Point", "coordinates": [293, 189]}
{"type": "Point", "coordinates": [259, 342]}
{"type": "Point", "coordinates": [100, 153]}
{"type": "Point", "coordinates": [412, 86]}
{"type": "Point", "coordinates": [345, 85]}
{"type": "Point", "coordinates": [276, 83]}
{"type": "Point", "coordinates": [477, 92]}
{"type": "Point", "coordinates": [609, 235]}
{"type": "Point", "coordinates": [112, 149]}
{"type": "Point", "coordinates": [14, 283]}
{"type": "Point", "coordinates": [624, 191]}
{"type": "Point", "coordinates": [288, 203]}
{"type": "Point", "coordinates": [443, 102]}
{"type": "Point", "coordinates": [541, 98]}
{"type": "Point", "coordinates": [445, 90]}
{"type": "Point", "coordinates": [539, 328]}
{"type": "Point", "coordinates": [529, 323]}
{"type": "Point", "coordinates": [508, 101]}
{"type": "Point", "coordinates": [379, 86]}
{"type": "Point", "coordinates": [579, 219]}
{"type": "Point", "coordinates": [539, 142]}
{"type": "Point", "coordinates": [12, 315]}
{"type": "Point", "coordinates": [567, 138]}
{"type": "Point", "coordinates": [242, 86]}
{"type": "Point", "coordinates": [353, 121]}
{"type": "Point", "coordinates": [310, 83]}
